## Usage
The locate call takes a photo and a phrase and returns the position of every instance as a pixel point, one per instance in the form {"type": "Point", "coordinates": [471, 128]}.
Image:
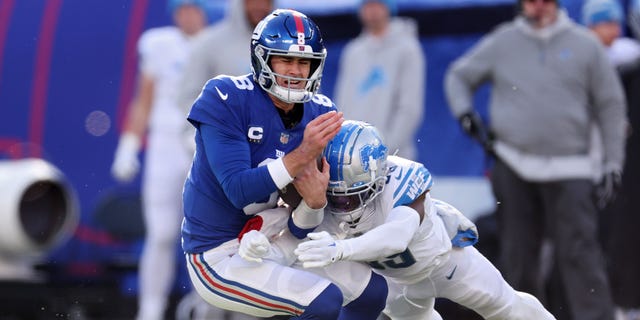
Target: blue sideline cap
{"type": "Point", "coordinates": [391, 5]}
{"type": "Point", "coordinates": [173, 5]}
{"type": "Point", "coordinates": [599, 11]}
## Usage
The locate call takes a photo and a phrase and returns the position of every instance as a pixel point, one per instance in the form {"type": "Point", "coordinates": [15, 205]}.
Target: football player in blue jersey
{"type": "Point", "coordinates": [381, 212]}
{"type": "Point", "coordinates": [255, 134]}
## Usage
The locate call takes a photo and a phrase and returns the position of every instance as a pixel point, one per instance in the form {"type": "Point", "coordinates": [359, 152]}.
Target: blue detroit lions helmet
{"type": "Point", "coordinates": [287, 33]}
{"type": "Point", "coordinates": [357, 158]}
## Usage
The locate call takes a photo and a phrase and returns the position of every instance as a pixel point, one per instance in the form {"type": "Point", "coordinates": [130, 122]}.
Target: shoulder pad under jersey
{"type": "Point", "coordinates": [407, 180]}
{"type": "Point", "coordinates": [322, 100]}
{"type": "Point", "coordinates": [231, 88]}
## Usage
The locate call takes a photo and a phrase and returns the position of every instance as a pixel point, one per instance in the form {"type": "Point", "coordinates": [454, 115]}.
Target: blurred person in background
{"type": "Point", "coordinates": [633, 15]}
{"type": "Point", "coordinates": [163, 52]}
{"type": "Point", "coordinates": [620, 221]}
{"type": "Point", "coordinates": [551, 82]}
{"type": "Point", "coordinates": [222, 48]}
{"type": "Point", "coordinates": [381, 77]}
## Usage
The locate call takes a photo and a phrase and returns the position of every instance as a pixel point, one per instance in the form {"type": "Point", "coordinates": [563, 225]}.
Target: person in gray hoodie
{"type": "Point", "coordinates": [222, 48]}
{"type": "Point", "coordinates": [551, 83]}
{"type": "Point", "coordinates": [381, 77]}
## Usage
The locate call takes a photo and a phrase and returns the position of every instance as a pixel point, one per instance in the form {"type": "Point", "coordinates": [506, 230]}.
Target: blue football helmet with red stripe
{"type": "Point", "coordinates": [357, 158]}
{"type": "Point", "coordinates": [287, 33]}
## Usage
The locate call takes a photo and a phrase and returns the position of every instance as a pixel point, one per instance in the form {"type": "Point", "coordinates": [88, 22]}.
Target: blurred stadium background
{"type": "Point", "coordinates": [67, 73]}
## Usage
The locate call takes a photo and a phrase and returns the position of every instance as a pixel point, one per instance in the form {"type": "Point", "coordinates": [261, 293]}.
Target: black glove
{"type": "Point", "coordinates": [473, 126]}
{"type": "Point", "coordinates": [608, 188]}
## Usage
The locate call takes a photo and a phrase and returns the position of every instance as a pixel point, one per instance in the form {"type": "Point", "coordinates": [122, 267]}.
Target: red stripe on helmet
{"type": "Point", "coordinates": [299, 24]}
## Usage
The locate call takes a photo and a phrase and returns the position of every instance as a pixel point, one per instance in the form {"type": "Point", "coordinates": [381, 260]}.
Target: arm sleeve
{"type": "Point", "coordinates": [466, 74]}
{"type": "Point", "coordinates": [390, 238]}
{"type": "Point", "coordinates": [242, 184]}
{"type": "Point", "coordinates": [609, 109]}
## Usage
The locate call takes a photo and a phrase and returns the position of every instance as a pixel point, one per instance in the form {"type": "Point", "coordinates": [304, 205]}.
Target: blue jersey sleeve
{"type": "Point", "coordinates": [220, 120]}
{"type": "Point", "coordinates": [242, 184]}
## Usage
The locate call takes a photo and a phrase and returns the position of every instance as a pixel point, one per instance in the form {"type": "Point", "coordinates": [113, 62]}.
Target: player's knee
{"type": "Point", "coordinates": [371, 302]}
{"type": "Point", "coordinates": [529, 306]}
{"type": "Point", "coordinates": [524, 307]}
{"type": "Point", "coordinates": [325, 306]}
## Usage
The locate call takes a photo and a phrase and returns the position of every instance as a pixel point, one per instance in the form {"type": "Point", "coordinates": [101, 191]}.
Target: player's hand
{"type": "Point", "coordinates": [472, 125]}
{"type": "Point", "coordinates": [125, 163]}
{"type": "Point", "coordinates": [322, 250]}
{"type": "Point", "coordinates": [254, 246]}
{"type": "Point", "coordinates": [311, 183]}
{"type": "Point", "coordinates": [319, 132]}
{"type": "Point", "coordinates": [607, 190]}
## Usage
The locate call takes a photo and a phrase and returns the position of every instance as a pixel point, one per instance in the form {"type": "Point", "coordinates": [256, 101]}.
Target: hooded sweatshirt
{"type": "Point", "coordinates": [222, 48]}
{"type": "Point", "coordinates": [381, 80]}
{"type": "Point", "coordinates": [549, 87]}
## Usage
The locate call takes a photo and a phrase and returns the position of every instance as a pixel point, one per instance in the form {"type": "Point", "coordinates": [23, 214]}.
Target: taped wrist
{"type": "Point", "coordinates": [305, 217]}
{"type": "Point", "coordinates": [279, 173]}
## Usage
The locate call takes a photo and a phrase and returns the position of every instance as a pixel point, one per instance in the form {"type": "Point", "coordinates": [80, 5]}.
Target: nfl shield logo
{"type": "Point", "coordinates": [284, 138]}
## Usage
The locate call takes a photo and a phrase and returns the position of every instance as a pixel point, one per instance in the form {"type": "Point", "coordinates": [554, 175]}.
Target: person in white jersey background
{"type": "Point", "coordinates": [155, 115]}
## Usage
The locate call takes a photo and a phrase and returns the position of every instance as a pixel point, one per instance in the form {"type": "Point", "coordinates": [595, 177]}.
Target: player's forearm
{"type": "Point", "coordinates": [295, 160]}
{"type": "Point", "coordinates": [387, 239]}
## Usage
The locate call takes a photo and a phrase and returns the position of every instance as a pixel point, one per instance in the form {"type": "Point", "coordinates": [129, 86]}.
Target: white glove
{"type": "Point", "coordinates": [254, 246]}
{"type": "Point", "coordinates": [322, 250]}
{"type": "Point", "coordinates": [125, 163]}
{"type": "Point", "coordinates": [461, 230]}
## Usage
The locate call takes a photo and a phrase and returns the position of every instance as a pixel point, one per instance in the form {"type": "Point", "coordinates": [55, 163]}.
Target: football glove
{"type": "Point", "coordinates": [461, 230]}
{"type": "Point", "coordinates": [607, 190]}
{"type": "Point", "coordinates": [125, 163]}
{"type": "Point", "coordinates": [322, 250]}
{"type": "Point", "coordinates": [254, 246]}
{"type": "Point", "coordinates": [473, 126]}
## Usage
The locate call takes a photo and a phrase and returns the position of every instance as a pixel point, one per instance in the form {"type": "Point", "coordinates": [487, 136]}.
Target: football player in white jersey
{"type": "Point", "coordinates": [154, 113]}
{"type": "Point", "coordinates": [379, 211]}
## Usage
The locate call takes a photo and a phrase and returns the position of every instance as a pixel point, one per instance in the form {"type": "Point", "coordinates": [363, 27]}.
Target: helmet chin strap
{"type": "Point", "coordinates": [290, 95]}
